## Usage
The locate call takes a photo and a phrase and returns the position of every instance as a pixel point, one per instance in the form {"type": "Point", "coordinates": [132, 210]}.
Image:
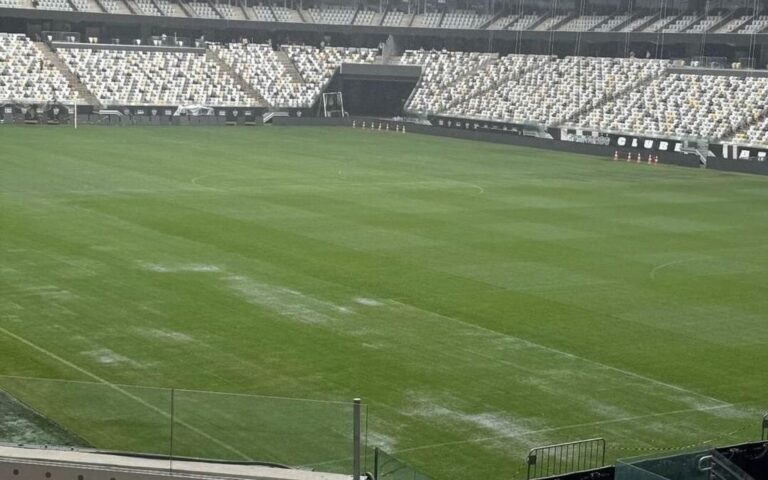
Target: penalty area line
{"type": "Point", "coordinates": [122, 391]}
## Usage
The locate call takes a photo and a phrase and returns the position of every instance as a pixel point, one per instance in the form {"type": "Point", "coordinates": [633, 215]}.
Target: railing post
{"type": "Point", "coordinates": [356, 438]}
{"type": "Point", "coordinates": [376, 463]}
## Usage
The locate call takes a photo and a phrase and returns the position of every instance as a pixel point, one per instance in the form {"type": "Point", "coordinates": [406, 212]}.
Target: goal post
{"type": "Point", "coordinates": [333, 104]}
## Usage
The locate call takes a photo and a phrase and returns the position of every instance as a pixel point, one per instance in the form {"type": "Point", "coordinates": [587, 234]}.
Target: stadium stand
{"type": "Point", "coordinates": [86, 5]}
{"type": "Point", "coordinates": [203, 10]}
{"type": "Point", "coordinates": [26, 76]}
{"type": "Point", "coordinates": [705, 24]}
{"type": "Point", "coordinates": [54, 5]}
{"type": "Point", "coordinates": [263, 13]}
{"type": "Point", "coordinates": [642, 96]}
{"type": "Point", "coordinates": [636, 23]}
{"type": "Point", "coordinates": [260, 67]}
{"type": "Point", "coordinates": [559, 89]}
{"type": "Point", "coordinates": [464, 19]}
{"type": "Point", "coordinates": [733, 24]}
{"type": "Point", "coordinates": [114, 6]}
{"type": "Point", "coordinates": [168, 9]}
{"type": "Point", "coordinates": [583, 23]}
{"type": "Point", "coordinates": [757, 25]}
{"type": "Point", "coordinates": [393, 18]}
{"type": "Point", "coordinates": [427, 20]}
{"type": "Point", "coordinates": [550, 23]}
{"type": "Point", "coordinates": [284, 14]}
{"type": "Point", "coordinates": [148, 7]}
{"type": "Point", "coordinates": [128, 77]}
{"type": "Point", "coordinates": [524, 22]}
{"type": "Point", "coordinates": [612, 23]}
{"type": "Point", "coordinates": [316, 66]}
{"type": "Point", "coordinates": [756, 133]}
{"type": "Point", "coordinates": [679, 25]}
{"type": "Point", "coordinates": [365, 17]}
{"type": "Point", "coordinates": [679, 105]}
{"type": "Point", "coordinates": [338, 16]}
{"type": "Point", "coordinates": [658, 25]}
{"type": "Point", "coordinates": [490, 76]}
{"type": "Point", "coordinates": [722, 22]}
{"type": "Point", "coordinates": [441, 69]}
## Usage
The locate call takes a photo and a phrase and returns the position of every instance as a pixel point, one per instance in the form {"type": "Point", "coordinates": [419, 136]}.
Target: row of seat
{"type": "Point", "coordinates": [127, 77]}
{"type": "Point", "coordinates": [610, 94]}
{"type": "Point", "coordinates": [316, 65]}
{"type": "Point", "coordinates": [454, 19]}
{"type": "Point", "coordinates": [26, 75]}
{"type": "Point", "coordinates": [440, 69]}
{"type": "Point", "coordinates": [259, 65]}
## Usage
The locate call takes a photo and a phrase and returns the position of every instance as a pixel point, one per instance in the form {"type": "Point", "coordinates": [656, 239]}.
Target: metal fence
{"type": "Point", "coordinates": [565, 458]}
{"type": "Point", "coordinates": [721, 468]}
{"type": "Point", "coordinates": [682, 466]}
{"type": "Point", "coordinates": [176, 423]}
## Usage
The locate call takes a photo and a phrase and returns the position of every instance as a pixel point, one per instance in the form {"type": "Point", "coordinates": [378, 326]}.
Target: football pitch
{"type": "Point", "coordinates": [481, 299]}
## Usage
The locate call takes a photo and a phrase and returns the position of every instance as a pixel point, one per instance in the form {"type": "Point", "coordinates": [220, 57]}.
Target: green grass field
{"type": "Point", "coordinates": [481, 299]}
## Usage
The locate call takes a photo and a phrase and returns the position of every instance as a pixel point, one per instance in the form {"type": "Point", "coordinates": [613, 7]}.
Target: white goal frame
{"type": "Point", "coordinates": [331, 107]}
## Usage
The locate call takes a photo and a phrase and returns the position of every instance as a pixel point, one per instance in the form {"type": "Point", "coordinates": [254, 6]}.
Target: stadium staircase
{"type": "Point", "coordinates": [186, 9]}
{"type": "Point", "coordinates": [562, 22]}
{"type": "Point", "coordinates": [740, 25]}
{"type": "Point", "coordinates": [289, 66]}
{"type": "Point", "coordinates": [488, 23]}
{"type": "Point", "coordinates": [305, 16]}
{"type": "Point", "coordinates": [215, 8]}
{"type": "Point", "coordinates": [538, 22]}
{"type": "Point", "coordinates": [157, 7]}
{"type": "Point", "coordinates": [623, 24]}
{"type": "Point", "coordinates": [601, 23]}
{"type": "Point", "coordinates": [726, 18]}
{"type": "Point", "coordinates": [744, 125]}
{"type": "Point", "coordinates": [247, 88]}
{"type": "Point", "coordinates": [247, 12]}
{"type": "Point", "coordinates": [100, 6]}
{"type": "Point", "coordinates": [380, 21]}
{"type": "Point", "coordinates": [133, 7]}
{"type": "Point", "coordinates": [696, 21]}
{"type": "Point", "coordinates": [512, 77]}
{"type": "Point", "coordinates": [74, 82]}
{"type": "Point", "coordinates": [588, 108]}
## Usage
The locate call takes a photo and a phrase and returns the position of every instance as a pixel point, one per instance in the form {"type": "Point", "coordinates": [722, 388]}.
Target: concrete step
{"type": "Point", "coordinates": [85, 95]}
{"type": "Point", "coordinates": [247, 88]}
{"type": "Point", "coordinates": [290, 68]}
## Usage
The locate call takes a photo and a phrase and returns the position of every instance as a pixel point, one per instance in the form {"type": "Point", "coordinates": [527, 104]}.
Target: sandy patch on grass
{"type": "Point", "coordinates": [166, 335]}
{"type": "Point", "coordinates": [368, 302]}
{"type": "Point", "coordinates": [106, 356]}
{"type": "Point", "coordinates": [181, 268]}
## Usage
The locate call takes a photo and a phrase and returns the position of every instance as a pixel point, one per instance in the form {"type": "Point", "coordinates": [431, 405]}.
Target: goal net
{"type": "Point", "coordinates": [333, 104]}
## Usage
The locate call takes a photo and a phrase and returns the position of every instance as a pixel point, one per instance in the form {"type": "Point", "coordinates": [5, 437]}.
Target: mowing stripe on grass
{"type": "Point", "coordinates": [565, 427]}
{"type": "Point", "coordinates": [111, 385]}
{"type": "Point", "coordinates": [577, 357]}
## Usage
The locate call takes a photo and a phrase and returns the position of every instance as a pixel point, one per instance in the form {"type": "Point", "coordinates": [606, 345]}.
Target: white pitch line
{"type": "Point", "coordinates": [123, 391]}
{"type": "Point", "coordinates": [572, 355]}
{"type": "Point", "coordinates": [565, 427]}
{"type": "Point", "coordinates": [668, 264]}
